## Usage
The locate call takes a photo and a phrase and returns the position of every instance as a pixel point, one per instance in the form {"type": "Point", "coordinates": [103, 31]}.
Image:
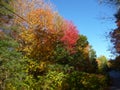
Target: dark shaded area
{"type": "Point", "coordinates": [115, 80]}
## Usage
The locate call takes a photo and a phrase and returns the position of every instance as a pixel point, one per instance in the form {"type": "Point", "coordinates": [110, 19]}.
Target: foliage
{"type": "Point", "coordinates": [11, 65]}
{"type": "Point", "coordinates": [81, 60]}
{"type": "Point", "coordinates": [92, 57]}
{"type": "Point", "coordinates": [42, 36]}
{"type": "Point", "coordinates": [82, 47]}
{"type": "Point", "coordinates": [61, 55]}
{"type": "Point", "coordinates": [114, 64]}
{"type": "Point", "coordinates": [52, 80]}
{"type": "Point", "coordinates": [115, 35]}
{"type": "Point", "coordinates": [3, 5]}
{"type": "Point", "coordinates": [49, 54]}
{"type": "Point", "coordinates": [86, 81]}
{"type": "Point", "coordinates": [92, 54]}
{"type": "Point", "coordinates": [40, 33]}
{"type": "Point", "coordinates": [70, 36]}
{"type": "Point", "coordinates": [24, 7]}
{"type": "Point", "coordinates": [115, 40]}
{"type": "Point", "coordinates": [5, 12]}
{"type": "Point", "coordinates": [59, 77]}
{"type": "Point", "coordinates": [102, 64]}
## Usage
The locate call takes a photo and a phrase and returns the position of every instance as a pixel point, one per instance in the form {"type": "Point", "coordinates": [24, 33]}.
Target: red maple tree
{"type": "Point", "coordinates": [70, 36]}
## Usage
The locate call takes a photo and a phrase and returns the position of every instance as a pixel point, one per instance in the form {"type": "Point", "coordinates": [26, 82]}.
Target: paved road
{"type": "Point", "coordinates": [115, 77]}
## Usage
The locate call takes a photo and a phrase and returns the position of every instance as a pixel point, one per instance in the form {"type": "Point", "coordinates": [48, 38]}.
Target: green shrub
{"type": "Point", "coordinates": [86, 81]}
{"type": "Point", "coordinates": [53, 80]}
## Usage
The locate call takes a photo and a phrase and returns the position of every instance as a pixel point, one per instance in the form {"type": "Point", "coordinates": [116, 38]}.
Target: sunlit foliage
{"type": "Point", "coordinates": [45, 52]}
{"type": "Point", "coordinates": [70, 35]}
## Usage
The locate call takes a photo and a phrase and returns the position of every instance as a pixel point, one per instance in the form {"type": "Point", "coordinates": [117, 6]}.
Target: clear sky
{"type": "Point", "coordinates": [87, 16]}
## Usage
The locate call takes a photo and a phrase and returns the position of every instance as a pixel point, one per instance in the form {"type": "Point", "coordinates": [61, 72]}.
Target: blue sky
{"type": "Point", "coordinates": [86, 15]}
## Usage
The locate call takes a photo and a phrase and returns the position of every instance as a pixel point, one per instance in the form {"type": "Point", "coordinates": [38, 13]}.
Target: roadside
{"type": "Point", "coordinates": [115, 80]}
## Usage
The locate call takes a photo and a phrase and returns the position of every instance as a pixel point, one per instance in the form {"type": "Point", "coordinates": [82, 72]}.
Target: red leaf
{"type": "Point", "coordinates": [70, 36]}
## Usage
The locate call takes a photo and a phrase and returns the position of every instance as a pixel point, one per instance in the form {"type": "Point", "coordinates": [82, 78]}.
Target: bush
{"type": "Point", "coordinates": [53, 80]}
{"type": "Point", "coordinates": [86, 81]}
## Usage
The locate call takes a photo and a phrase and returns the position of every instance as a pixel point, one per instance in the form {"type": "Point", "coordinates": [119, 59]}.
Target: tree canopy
{"type": "Point", "coordinates": [41, 50]}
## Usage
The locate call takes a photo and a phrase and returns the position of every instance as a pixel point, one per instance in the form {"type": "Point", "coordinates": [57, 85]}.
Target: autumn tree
{"type": "Point", "coordinates": [66, 43]}
{"type": "Point", "coordinates": [41, 35]}
{"type": "Point", "coordinates": [70, 36]}
{"type": "Point", "coordinates": [41, 29]}
{"type": "Point", "coordinates": [24, 7]}
{"type": "Point", "coordinates": [81, 60]}
{"type": "Point", "coordinates": [35, 25]}
{"type": "Point", "coordinates": [102, 64]}
{"type": "Point", "coordinates": [114, 64]}
{"type": "Point", "coordinates": [93, 59]}
{"type": "Point", "coordinates": [51, 53]}
{"type": "Point", "coordinates": [115, 40]}
{"type": "Point", "coordinates": [115, 35]}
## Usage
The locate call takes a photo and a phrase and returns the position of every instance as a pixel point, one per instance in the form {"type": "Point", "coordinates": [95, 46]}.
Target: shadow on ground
{"type": "Point", "coordinates": [115, 80]}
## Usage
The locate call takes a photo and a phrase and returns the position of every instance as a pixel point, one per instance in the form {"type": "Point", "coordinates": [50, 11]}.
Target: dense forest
{"type": "Point", "coordinates": [41, 50]}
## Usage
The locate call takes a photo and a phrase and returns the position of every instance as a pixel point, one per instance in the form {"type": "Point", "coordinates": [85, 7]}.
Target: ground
{"type": "Point", "coordinates": [115, 80]}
